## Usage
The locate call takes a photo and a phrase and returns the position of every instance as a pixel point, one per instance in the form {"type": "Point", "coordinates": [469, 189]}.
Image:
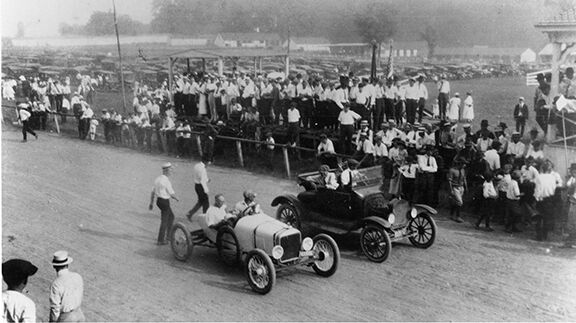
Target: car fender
{"type": "Point", "coordinates": [376, 220]}
{"type": "Point", "coordinates": [289, 199]}
{"type": "Point", "coordinates": [426, 208]}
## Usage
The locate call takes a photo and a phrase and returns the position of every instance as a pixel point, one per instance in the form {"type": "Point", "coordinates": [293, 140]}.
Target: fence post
{"type": "Point", "coordinates": [286, 160]}
{"type": "Point", "coordinates": [56, 122]}
{"type": "Point", "coordinates": [199, 144]}
{"type": "Point", "coordinates": [239, 150]}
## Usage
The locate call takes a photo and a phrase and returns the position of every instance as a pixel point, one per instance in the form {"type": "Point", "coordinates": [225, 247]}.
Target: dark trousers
{"type": "Point", "coordinates": [545, 218]}
{"type": "Point", "coordinates": [346, 132]}
{"type": "Point", "coordinates": [378, 114]}
{"type": "Point", "coordinates": [520, 125]}
{"type": "Point", "coordinates": [398, 111]}
{"type": "Point", "coordinates": [408, 185]}
{"type": "Point", "coordinates": [203, 201]}
{"type": "Point", "coordinates": [179, 102]}
{"type": "Point", "coordinates": [425, 188]}
{"type": "Point", "coordinates": [487, 209]}
{"type": "Point", "coordinates": [389, 109]}
{"type": "Point", "coordinates": [306, 111]}
{"type": "Point", "coordinates": [542, 118]}
{"type": "Point", "coordinates": [442, 104]}
{"type": "Point", "coordinates": [293, 130]}
{"type": "Point", "coordinates": [421, 106]}
{"type": "Point", "coordinates": [264, 108]}
{"type": "Point", "coordinates": [166, 220]}
{"type": "Point", "coordinates": [26, 128]}
{"type": "Point", "coordinates": [411, 106]}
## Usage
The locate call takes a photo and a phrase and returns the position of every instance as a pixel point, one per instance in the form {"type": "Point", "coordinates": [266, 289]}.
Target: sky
{"type": "Point", "coordinates": [42, 17]}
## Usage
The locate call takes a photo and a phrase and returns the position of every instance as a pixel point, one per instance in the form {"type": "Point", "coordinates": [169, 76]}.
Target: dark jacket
{"type": "Point", "coordinates": [523, 109]}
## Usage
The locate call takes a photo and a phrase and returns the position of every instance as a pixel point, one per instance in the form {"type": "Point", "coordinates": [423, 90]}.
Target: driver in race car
{"type": "Point", "coordinates": [216, 214]}
{"type": "Point", "coordinates": [249, 201]}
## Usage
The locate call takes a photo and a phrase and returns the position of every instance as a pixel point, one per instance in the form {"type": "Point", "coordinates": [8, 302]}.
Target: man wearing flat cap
{"type": "Point", "coordinates": [17, 306]}
{"type": "Point", "coordinates": [66, 291]}
{"type": "Point", "coordinates": [163, 192]}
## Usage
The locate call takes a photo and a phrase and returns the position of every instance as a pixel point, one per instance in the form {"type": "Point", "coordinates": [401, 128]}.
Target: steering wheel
{"type": "Point", "coordinates": [248, 211]}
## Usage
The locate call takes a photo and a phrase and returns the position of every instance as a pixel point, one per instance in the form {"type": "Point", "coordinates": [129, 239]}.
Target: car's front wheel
{"type": "Point", "coordinates": [260, 271]}
{"type": "Point", "coordinates": [375, 243]}
{"type": "Point", "coordinates": [328, 255]}
{"type": "Point", "coordinates": [288, 214]}
{"type": "Point", "coordinates": [181, 242]}
{"type": "Point", "coordinates": [423, 229]}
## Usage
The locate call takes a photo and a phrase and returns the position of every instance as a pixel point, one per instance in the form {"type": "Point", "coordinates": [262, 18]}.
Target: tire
{"type": "Point", "coordinates": [426, 229]}
{"type": "Point", "coordinates": [181, 242]}
{"type": "Point", "coordinates": [260, 271]}
{"type": "Point", "coordinates": [329, 253]}
{"type": "Point", "coordinates": [227, 245]}
{"type": "Point", "coordinates": [288, 214]}
{"type": "Point", "coordinates": [375, 243]}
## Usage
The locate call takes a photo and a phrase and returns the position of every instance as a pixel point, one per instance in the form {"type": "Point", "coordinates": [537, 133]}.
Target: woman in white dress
{"type": "Point", "coordinates": [203, 99]}
{"type": "Point", "coordinates": [468, 111]}
{"type": "Point", "coordinates": [454, 108]}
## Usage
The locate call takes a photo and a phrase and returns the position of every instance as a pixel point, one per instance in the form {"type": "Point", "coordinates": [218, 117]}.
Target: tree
{"type": "Point", "coordinates": [430, 36]}
{"type": "Point", "coordinates": [374, 23]}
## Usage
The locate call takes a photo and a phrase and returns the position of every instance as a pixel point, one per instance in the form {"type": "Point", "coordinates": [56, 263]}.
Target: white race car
{"type": "Point", "coordinates": [261, 243]}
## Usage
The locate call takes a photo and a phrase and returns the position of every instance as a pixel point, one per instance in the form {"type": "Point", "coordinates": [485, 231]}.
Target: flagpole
{"type": "Point", "coordinates": [119, 56]}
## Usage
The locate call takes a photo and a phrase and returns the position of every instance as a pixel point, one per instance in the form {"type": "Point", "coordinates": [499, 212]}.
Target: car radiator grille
{"type": "Point", "coordinates": [291, 245]}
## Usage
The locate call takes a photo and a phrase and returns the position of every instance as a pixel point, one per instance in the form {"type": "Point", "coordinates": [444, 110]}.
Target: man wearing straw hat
{"type": "Point", "coordinates": [163, 192]}
{"type": "Point", "coordinates": [66, 291]}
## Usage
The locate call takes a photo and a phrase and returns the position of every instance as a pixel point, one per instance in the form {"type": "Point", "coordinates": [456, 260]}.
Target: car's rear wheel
{"type": "Point", "coordinates": [424, 229]}
{"type": "Point", "coordinates": [227, 245]}
{"type": "Point", "coordinates": [288, 214]}
{"type": "Point", "coordinates": [375, 243]}
{"type": "Point", "coordinates": [181, 242]}
{"type": "Point", "coordinates": [328, 255]}
{"type": "Point", "coordinates": [260, 271]}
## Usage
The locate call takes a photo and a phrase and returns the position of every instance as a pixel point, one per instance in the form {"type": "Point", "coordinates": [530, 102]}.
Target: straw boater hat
{"type": "Point", "coordinates": [61, 258]}
{"type": "Point", "coordinates": [166, 165]}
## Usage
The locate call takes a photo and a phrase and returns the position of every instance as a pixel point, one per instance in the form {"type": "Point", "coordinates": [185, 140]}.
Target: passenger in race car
{"type": "Point", "coordinates": [249, 201]}
{"type": "Point", "coordinates": [217, 215]}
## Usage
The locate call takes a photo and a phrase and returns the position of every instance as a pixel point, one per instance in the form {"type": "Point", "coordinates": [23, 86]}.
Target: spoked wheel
{"type": "Point", "coordinates": [227, 245]}
{"type": "Point", "coordinates": [288, 214]}
{"type": "Point", "coordinates": [375, 243]}
{"type": "Point", "coordinates": [424, 229]}
{"type": "Point", "coordinates": [181, 243]}
{"type": "Point", "coordinates": [328, 255]}
{"type": "Point", "coordinates": [260, 271]}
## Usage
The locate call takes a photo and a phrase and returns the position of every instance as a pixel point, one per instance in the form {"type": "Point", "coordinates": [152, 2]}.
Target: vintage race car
{"type": "Point", "coordinates": [261, 243]}
{"type": "Point", "coordinates": [365, 209]}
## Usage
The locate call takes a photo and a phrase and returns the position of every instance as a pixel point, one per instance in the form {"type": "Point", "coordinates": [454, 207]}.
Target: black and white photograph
{"type": "Point", "coordinates": [288, 160]}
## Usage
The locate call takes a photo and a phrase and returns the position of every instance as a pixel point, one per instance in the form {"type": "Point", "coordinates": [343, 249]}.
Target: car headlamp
{"type": "Point", "coordinates": [413, 212]}
{"type": "Point", "coordinates": [391, 218]}
{"type": "Point", "coordinates": [277, 252]}
{"type": "Point", "coordinates": [307, 244]}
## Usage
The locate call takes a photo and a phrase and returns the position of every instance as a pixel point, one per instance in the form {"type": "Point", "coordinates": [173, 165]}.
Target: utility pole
{"type": "Point", "coordinates": [120, 57]}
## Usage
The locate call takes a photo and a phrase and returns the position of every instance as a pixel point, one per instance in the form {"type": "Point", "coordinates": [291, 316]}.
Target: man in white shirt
{"type": "Point", "coordinates": [426, 177]}
{"type": "Point", "coordinates": [293, 123]}
{"type": "Point", "coordinates": [380, 150]}
{"type": "Point", "coordinates": [327, 178]}
{"type": "Point", "coordinates": [200, 177]}
{"type": "Point", "coordinates": [163, 192]}
{"type": "Point", "coordinates": [546, 184]}
{"type": "Point", "coordinates": [347, 118]}
{"type": "Point", "coordinates": [378, 112]}
{"type": "Point", "coordinates": [17, 306]}
{"type": "Point", "coordinates": [364, 152]}
{"type": "Point", "coordinates": [516, 148]}
{"type": "Point", "coordinates": [24, 116]}
{"type": "Point", "coordinates": [390, 94]}
{"type": "Point", "coordinates": [66, 291]}
{"type": "Point", "coordinates": [325, 151]}
{"type": "Point", "coordinates": [443, 96]}
{"type": "Point", "coordinates": [85, 119]}
{"type": "Point", "coordinates": [491, 156]}
{"type": "Point", "coordinates": [423, 94]}
{"type": "Point", "coordinates": [216, 213]}
{"type": "Point", "coordinates": [412, 96]}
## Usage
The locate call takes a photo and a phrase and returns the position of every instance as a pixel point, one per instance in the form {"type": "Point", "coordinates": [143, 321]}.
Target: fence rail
{"type": "Point", "coordinates": [238, 142]}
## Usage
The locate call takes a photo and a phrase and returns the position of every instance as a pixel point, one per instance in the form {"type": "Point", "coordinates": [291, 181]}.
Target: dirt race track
{"type": "Point", "coordinates": [92, 199]}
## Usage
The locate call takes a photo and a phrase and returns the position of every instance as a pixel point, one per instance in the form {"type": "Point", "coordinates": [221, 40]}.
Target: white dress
{"type": "Point", "coordinates": [468, 111]}
{"type": "Point", "coordinates": [453, 109]}
{"type": "Point", "coordinates": [203, 101]}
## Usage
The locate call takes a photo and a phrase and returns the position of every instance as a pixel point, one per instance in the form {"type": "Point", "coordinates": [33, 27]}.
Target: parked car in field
{"type": "Point", "coordinates": [261, 243]}
{"type": "Point", "coordinates": [365, 209]}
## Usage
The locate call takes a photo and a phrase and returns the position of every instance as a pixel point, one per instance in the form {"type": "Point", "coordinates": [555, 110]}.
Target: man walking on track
{"type": "Point", "coordinates": [201, 187]}
{"type": "Point", "coordinates": [66, 291]}
{"type": "Point", "coordinates": [25, 115]}
{"type": "Point", "coordinates": [163, 192]}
